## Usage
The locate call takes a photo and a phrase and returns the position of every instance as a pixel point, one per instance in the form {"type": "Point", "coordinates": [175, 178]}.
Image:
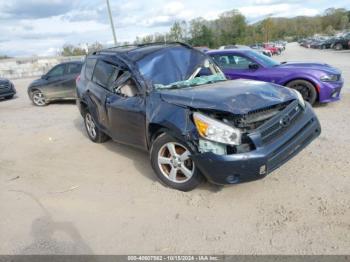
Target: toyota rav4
{"type": "Point", "coordinates": [174, 101]}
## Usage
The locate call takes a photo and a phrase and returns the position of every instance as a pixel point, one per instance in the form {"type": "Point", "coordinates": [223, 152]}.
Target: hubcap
{"type": "Point", "coordinates": [174, 162]}
{"type": "Point", "coordinates": [39, 99]}
{"type": "Point", "coordinates": [90, 125]}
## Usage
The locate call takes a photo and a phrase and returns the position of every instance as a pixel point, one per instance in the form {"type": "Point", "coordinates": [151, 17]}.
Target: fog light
{"type": "Point", "coordinates": [335, 94]}
{"type": "Point", "coordinates": [262, 170]}
{"type": "Point", "coordinates": [233, 179]}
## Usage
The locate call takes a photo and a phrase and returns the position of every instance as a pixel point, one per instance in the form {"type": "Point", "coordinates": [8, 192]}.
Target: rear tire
{"type": "Point", "coordinates": [94, 133]}
{"type": "Point", "coordinates": [338, 47]}
{"type": "Point", "coordinates": [307, 90]}
{"type": "Point", "coordinates": [170, 159]}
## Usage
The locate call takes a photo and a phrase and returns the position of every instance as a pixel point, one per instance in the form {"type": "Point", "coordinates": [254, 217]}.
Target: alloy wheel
{"type": "Point", "coordinates": [174, 162]}
{"type": "Point", "coordinates": [39, 99]}
{"type": "Point", "coordinates": [304, 91]}
{"type": "Point", "coordinates": [90, 126]}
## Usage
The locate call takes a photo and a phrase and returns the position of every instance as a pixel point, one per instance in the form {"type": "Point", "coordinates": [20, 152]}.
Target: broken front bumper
{"type": "Point", "coordinates": [256, 164]}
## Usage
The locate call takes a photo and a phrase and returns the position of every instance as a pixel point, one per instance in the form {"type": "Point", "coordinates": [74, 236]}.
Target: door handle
{"type": "Point", "coordinates": [108, 100]}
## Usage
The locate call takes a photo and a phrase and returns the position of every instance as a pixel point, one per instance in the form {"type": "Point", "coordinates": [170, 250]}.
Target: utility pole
{"type": "Point", "coordinates": [111, 20]}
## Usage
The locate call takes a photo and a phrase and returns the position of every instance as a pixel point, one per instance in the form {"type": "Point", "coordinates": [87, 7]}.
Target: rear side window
{"type": "Point", "coordinates": [56, 71]}
{"type": "Point", "coordinates": [73, 68]}
{"type": "Point", "coordinates": [89, 67]}
{"type": "Point", "coordinates": [104, 73]}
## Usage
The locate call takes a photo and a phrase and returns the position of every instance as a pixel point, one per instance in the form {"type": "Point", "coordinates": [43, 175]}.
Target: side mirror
{"type": "Point", "coordinates": [45, 77]}
{"type": "Point", "coordinates": [253, 66]}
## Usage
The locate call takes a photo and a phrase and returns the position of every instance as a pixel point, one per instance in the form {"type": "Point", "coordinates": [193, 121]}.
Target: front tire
{"type": "Point", "coordinates": [38, 98]}
{"type": "Point", "coordinates": [306, 89]}
{"type": "Point", "coordinates": [170, 159]}
{"type": "Point", "coordinates": [94, 133]}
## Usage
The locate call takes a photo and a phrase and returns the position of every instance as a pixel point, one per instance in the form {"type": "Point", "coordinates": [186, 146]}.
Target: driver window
{"type": "Point", "coordinates": [56, 71]}
{"type": "Point", "coordinates": [233, 61]}
{"type": "Point", "coordinates": [127, 89]}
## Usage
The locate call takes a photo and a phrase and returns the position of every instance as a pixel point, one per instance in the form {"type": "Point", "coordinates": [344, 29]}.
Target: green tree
{"type": "Point", "coordinates": [71, 50]}
{"type": "Point", "coordinates": [178, 31]}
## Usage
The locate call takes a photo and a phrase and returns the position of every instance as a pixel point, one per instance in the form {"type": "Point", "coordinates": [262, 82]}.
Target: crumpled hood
{"type": "Point", "coordinates": [317, 66]}
{"type": "Point", "coordinates": [236, 96]}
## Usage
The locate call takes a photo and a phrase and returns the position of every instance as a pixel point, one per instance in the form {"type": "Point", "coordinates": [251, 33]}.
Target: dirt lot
{"type": "Point", "coordinates": [60, 193]}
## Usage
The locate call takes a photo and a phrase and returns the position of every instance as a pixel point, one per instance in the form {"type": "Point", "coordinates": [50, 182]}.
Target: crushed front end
{"type": "Point", "coordinates": [269, 138]}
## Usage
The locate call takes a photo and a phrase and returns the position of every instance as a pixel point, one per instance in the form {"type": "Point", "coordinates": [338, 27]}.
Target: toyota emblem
{"type": "Point", "coordinates": [285, 121]}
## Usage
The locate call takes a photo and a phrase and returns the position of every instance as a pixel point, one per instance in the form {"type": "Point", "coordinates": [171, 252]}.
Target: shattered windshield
{"type": "Point", "coordinates": [178, 67]}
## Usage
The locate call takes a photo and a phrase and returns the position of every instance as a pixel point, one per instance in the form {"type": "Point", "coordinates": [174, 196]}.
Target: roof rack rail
{"type": "Point", "coordinates": [109, 49]}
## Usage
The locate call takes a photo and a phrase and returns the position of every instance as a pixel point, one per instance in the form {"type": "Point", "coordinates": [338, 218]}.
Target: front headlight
{"type": "Point", "coordinates": [216, 131]}
{"type": "Point", "coordinates": [300, 98]}
{"type": "Point", "coordinates": [329, 78]}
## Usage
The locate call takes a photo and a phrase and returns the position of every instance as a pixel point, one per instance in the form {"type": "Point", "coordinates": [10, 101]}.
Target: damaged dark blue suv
{"type": "Point", "coordinates": [175, 102]}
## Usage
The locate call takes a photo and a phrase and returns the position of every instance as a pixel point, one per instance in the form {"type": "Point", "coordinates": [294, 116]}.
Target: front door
{"type": "Point", "coordinates": [236, 66]}
{"type": "Point", "coordinates": [54, 81]}
{"type": "Point", "coordinates": [126, 114]}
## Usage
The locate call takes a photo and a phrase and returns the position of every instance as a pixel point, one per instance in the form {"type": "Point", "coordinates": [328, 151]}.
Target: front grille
{"type": "Point", "coordinates": [4, 85]}
{"type": "Point", "coordinates": [278, 124]}
{"type": "Point", "coordinates": [253, 119]}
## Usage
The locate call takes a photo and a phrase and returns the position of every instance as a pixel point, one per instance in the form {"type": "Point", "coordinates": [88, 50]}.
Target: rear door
{"type": "Point", "coordinates": [97, 89]}
{"type": "Point", "coordinates": [68, 84]}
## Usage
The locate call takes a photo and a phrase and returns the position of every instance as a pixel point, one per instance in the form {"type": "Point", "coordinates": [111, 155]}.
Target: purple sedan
{"type": "Point", "coordinates": [315, 81]}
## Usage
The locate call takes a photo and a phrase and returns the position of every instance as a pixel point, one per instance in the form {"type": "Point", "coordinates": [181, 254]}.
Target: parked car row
{"type": "Point", "coordinates": [199, 115]}
{"type": "Point", "coordinates": [337, 42]}
{"type": "Point", "coordinates": [268, 49]}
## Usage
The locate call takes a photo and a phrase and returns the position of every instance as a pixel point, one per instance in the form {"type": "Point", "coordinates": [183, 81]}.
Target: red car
{"type": "Point", "coordinates": [274, 50]}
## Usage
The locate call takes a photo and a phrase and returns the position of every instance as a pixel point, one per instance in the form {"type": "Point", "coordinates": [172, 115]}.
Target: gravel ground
{"type": "Point", "coordinates": [60, 193]}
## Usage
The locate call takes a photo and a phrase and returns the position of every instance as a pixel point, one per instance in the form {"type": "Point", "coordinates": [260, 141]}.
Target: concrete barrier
{"type": "Point", "coordinates": [15, 68]}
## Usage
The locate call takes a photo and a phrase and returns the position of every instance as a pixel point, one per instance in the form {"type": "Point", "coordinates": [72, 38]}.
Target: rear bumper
{"type": "Point", "coordinates": [237, 168]}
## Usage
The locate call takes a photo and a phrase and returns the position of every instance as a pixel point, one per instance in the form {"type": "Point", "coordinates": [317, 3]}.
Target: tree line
{"type": "Point", "coordinates": [231, 27]}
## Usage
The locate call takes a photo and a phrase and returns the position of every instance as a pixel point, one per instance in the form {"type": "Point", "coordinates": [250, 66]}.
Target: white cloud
{"type": "Point", "coordinates": [41, 26]}
{"type": "Point", "coordinates": [278, 10]}
{"type": "Point", "coordinates": [173, 8]}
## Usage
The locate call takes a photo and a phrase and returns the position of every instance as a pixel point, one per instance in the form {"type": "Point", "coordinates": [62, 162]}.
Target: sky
{"type": "Point", "coordinates": [42, 27]}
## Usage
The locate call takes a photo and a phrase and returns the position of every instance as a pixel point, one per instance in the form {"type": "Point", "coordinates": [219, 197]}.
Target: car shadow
{"type": "Point", "coordinates": [62, 102]}
{"type": "Point", "coordinates": [44, 229]}
{"type": "Point", "coordinates": [320, 105]}
{"type": "Point", "coordinates": [3, 100]}
{"type": "Point", "coordinates": [140, 158]}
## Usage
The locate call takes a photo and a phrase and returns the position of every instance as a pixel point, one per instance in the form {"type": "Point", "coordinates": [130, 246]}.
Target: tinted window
{"type": "Point", "coordinates": [263, 59]}
{"type": "Point", "coordinates": [73, 68]}
{"type": "Point", "coordinates": [104, 73]}
{"type": "Point", "coordinates": [56, 71]}
{"type": "Point", "coordinates": [89, 67]}
{"type": "Point", "coordinates": [232, 61]}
